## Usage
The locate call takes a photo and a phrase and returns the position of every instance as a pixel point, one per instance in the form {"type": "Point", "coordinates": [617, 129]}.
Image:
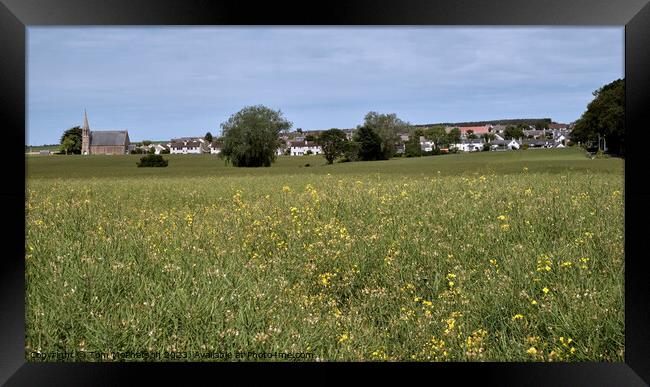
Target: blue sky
{"type": "Point", "coordinates": [160, 83]}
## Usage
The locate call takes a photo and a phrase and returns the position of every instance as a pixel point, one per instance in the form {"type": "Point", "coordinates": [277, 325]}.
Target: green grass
{"type": "Point", "coordinates": [440, 258]}
{"type": "Point", "coordinates": [38, 148]}
{"type": "Point", "coordinates": [541, 161]}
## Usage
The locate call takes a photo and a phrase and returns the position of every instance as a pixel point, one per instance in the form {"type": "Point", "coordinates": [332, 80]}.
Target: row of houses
{"type": "Point", "coordinates": [298, 143]}
{"type": "Point", "coordinates": [183, 145]}
{"type": "Point", "coordinates": [471, 140]}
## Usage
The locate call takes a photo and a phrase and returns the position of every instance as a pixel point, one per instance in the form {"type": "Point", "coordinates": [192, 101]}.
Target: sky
{"type": "Point", "coordinates": [165, 82]}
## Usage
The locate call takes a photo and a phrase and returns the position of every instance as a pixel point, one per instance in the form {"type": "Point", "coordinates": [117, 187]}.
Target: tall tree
{"type": "Point", "coordinates": [412, 147]}
{"type": "Point", "coordinates": [351, 151]}
{"type": "Point", "coordinates": [208, 137]}
{"type": "Point", "coordinates": [542, 124]}
{"type": "Point", "coordinates": [605, 116]}
{"type": "Point", "coordinates": [437, 134]}
{"type": "Point", "coordinates": [513, 132]}
{"type": "Point", "coordinates": [453, 137]}
{"type": "Point", "coordinates": [387, 126]}
{"type": "Point", "coordinates": [250, 136]}
{"type": "Point", "coordinates": [71, 141]}
{"type": "Point", "coordinates": [333, 142]}
{"type": "Point", "coordinates": [369, 144]}
{"type": "Point", "coordinates": [488, 137]}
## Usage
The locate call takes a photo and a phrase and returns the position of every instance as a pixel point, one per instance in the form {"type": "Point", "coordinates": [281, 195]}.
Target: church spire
{"type": "Point", "coordinates": [86, 127]}
{"type": "Point", "coordinates": [85, 136]}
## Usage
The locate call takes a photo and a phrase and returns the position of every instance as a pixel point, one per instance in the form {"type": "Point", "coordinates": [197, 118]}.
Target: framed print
{"type": "Point", "coordinates": [419, 187]}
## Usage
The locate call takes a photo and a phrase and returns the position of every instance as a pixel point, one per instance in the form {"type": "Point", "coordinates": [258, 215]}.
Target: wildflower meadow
{"type": "Point", "coordinates": [494, 256]}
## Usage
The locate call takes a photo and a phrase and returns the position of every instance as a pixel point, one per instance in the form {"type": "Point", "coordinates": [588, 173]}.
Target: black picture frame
{"type": "Point", "coordinates": [17, 15]}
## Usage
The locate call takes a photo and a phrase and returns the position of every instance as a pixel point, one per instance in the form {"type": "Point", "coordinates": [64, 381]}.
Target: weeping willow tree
{"type": "Point", "coordinates": [250, 136]}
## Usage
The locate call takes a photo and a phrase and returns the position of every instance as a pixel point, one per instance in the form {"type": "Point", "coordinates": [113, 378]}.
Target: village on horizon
{"type": "Point", "coordinates": [300, 142]}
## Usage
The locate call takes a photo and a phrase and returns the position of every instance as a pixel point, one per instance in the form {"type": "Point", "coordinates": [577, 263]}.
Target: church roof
{"type": "Point", "coordinates": [108, 137]}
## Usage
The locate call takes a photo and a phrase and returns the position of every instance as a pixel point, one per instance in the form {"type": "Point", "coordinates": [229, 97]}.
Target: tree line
{"type": "Point", "coordinates": [603, 123]}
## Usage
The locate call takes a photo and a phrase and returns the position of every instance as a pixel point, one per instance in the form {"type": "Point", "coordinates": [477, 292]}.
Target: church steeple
{"type": "Point", "coordinates": [86, 127]}
{"type": "Point", "coordinates": [85, 136]}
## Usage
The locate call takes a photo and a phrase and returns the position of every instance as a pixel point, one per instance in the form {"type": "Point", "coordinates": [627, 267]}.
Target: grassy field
{"type": "Point", "coordinates": [38, 148]}
{"type": "Point", "coordinates": [497, 256]}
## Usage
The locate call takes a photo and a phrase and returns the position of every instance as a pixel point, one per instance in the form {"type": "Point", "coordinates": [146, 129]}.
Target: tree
{"type": "Point", "coordinates": [333, 142]}
{"type": "Point", "coordinates": [453, 137]}
{"type": "Point", "coordinates": [437, 134]}
{"type": "Point", "coordinates": [250, 136]}
{"type": "Point", "coordinates": [412, 147]}
{"type": "Point", "coordinates": [512, 131]}
{"type": "Point", "coordinates": [67, 145]}
{"type": "Point", "coordinates": [369, 144]}
{"type": "Point", "coordinates": [488, 137]}
{"type": "Point", "coordinates": [543, 124]}
{"type": "Point", "coordinates": [208, 137]}
{"type": "Point", "coordinates": [71, 141]}
{"type": "Point", "coordinates": [310, 137]}
{"type": "Point", "coordinates": [387, 126]}
{"type": "Point", "coordinates": [146, 142]}
{"type": "Point", "coordinates": [470, 134]}
{"type": "Point", "coordinates": [604, 117]}
{"type": "Point", "coordinates": [351, 152]}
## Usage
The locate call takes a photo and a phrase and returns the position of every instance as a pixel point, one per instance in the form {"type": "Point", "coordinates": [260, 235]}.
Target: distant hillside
{"type": "Point", "coordinates": [516, 121]}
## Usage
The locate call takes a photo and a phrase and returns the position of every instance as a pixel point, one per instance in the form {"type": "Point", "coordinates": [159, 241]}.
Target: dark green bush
{"type": "Point", "coordinates": [152, 161]}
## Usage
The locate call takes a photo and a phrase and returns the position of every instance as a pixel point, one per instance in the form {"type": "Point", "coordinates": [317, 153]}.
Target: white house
{"type": "Point", "coordinates": [504, 144]}
{"type": "Point", "coordinates": [470, 145]}
{"type": "Point", "coordinates": [158, 148]}
{"type": "Point", "coordinates": [215, 148]}
{"type": "Point", "coordinates": [187, 147]}
{"type": "Point", "coordinates": [300, 148]}
{"type": "Point", "coordinates": [426, 145]}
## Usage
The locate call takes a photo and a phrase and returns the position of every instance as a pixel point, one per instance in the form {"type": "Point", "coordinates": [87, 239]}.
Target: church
{"type": "Point", "coordinates": [104, 142]}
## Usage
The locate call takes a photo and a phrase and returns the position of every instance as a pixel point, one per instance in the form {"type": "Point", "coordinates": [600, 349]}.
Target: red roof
{"type": "Point", "coordinates": [475, 129]}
